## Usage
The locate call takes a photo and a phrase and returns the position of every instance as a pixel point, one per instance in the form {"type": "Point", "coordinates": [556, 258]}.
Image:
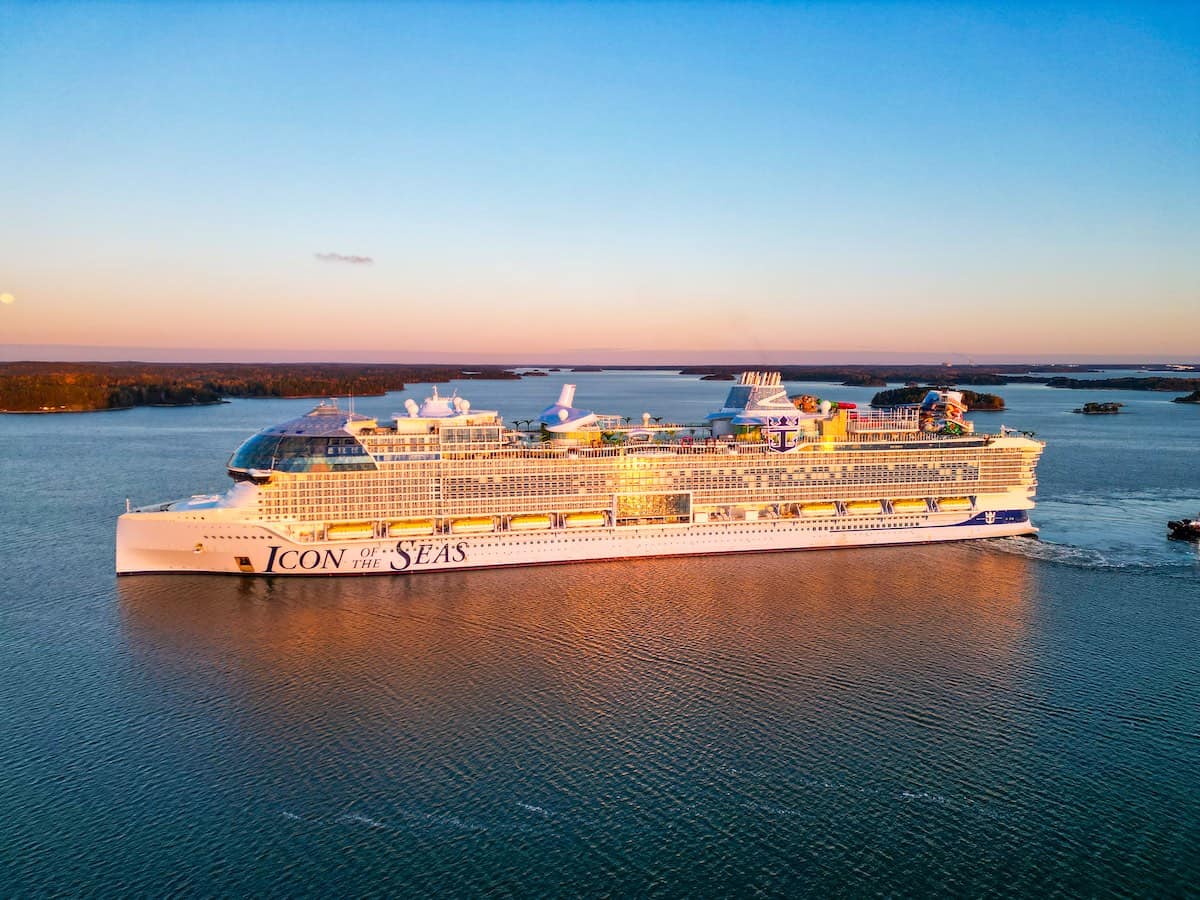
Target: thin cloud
{"type": "Point", "coordinates": [343, 258]}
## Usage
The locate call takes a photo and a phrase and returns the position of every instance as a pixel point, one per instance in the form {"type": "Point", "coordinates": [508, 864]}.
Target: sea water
{"type": "Point", "coordinates": [1008, 717]}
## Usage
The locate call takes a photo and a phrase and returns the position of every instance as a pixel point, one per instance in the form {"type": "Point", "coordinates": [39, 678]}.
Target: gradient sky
{"type": "Point", "coordinates": [581, 182]}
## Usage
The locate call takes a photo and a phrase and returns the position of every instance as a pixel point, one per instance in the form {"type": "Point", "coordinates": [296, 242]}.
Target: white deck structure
{"type": "Point", "coordinates": [444, 486]}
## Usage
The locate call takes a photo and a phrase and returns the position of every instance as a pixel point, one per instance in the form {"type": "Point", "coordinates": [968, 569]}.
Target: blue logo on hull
{"type": "Point", "coordinates": [999, 517]}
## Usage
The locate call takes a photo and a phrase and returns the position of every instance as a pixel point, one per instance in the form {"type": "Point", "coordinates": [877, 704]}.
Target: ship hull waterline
{"type": "Point", "coordinates": [146, 544]}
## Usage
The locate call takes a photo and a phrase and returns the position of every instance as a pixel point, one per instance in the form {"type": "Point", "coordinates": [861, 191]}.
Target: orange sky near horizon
{"type": "Point", "coordinates": [562, 181]}
{"type": "Point", "coordinates": [377, 311]}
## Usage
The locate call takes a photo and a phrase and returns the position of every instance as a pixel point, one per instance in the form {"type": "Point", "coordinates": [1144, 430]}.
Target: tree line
{"type": "Point", "coordinates": [34, 386]}
{"type": "Point", "coordinates": [915, 394]}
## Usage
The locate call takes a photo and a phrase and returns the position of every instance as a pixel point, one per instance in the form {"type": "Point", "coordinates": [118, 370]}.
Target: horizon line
{"type": "Point", "coordinates": [13, 353]}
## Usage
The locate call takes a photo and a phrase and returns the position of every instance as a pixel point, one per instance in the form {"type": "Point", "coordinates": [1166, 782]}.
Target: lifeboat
{"type": "Point", "coordinates": [953, 504]}
{"type": "Point", "coordinates": [410, 526]}
{"type": "Point", "coordinates": [864, 508]}
{"type": "Point", "coordinates": [472, 525]}
{"type": "Point", "coordinates": [528, 523]}
{"type": "Point", "coordinates": [345, 530]}
{"type": "Point", "coordinates": [818, 510]}
{"type": "Point", "coordinates": [909, 506]}
{"type": "Point", "coordinates": [585, 520]}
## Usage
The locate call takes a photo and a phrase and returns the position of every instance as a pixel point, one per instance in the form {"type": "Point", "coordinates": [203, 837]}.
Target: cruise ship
{"type": "Point", "coordinates": [444, 486]}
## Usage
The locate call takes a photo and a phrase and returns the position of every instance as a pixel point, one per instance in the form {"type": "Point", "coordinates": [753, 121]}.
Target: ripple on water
{"type": "Point", "coordinates": [1171, 560]}
{"type": "Point", "coordinates": [1010, 717]}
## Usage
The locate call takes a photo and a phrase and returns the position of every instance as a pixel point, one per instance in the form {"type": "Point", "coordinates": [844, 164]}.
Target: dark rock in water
{"type": "Point", "coordinates": [1193, 397]}
{"type": "Point", "coordinates": [718, 376]}
{"type": "Point", "coordinates": [1100, 409]}
{"type": "Point", "coordinates": [1184, 530]}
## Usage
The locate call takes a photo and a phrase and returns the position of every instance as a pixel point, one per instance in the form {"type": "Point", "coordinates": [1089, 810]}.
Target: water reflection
{"type": "Point", "coordinates": [775, 645]}
{"type": "Point", "coordinates": [826, 721]}
{"type": "Point", "coordinates": [986, 719]}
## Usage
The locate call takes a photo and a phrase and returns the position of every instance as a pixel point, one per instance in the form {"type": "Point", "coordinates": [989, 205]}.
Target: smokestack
{"type": "Point", "coordinates": [567, 397]}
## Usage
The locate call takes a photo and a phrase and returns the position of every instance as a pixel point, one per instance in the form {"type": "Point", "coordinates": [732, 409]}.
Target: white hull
{"type": "Point", "coordinates": [159, 542]}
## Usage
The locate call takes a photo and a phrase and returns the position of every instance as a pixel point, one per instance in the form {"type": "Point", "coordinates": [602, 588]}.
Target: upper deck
{"type": "Point", "coordinates": [757, 419]}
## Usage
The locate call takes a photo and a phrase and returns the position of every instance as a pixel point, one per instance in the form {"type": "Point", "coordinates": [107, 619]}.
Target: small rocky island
{"type": "Point", "coordinates": [1107, 408]}
{"type": "Point", "coordinates": [1193, 397]}
{"type": "Point", "coordinates": [976, 402]}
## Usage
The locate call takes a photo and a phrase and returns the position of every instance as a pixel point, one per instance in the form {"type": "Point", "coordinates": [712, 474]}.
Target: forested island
{"type": "Point", "coordinates": [80, 387]}
{"type": "Point", "coordinates": [865, 380]}
{"type": "Point", "coordinates": [86, 387]}
{"type": "Point", "coordinates": [1193, 397]}
{"type": "Point", "coordinates": [915, 394]}
{"type": "Point", "coordinates": [881, 375]}
{"type": "Point", "coordinates": [1121, 384]}
{"type": "Point", "coordinates": [868, 376]}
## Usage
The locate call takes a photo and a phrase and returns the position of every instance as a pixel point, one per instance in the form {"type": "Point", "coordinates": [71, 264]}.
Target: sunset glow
{"type": "Point", "coordinates": [613, 183]}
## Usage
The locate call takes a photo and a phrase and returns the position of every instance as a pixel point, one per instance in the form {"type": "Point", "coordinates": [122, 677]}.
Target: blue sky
{"type": "Point", "coordinates": [638, 180]}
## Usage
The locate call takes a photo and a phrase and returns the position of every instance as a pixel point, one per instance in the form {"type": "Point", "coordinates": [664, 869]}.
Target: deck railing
{"type": "Point", "coordinates": [883, 420]}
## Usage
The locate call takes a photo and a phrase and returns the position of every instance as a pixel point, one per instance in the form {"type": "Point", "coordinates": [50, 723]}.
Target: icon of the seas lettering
{"type": "Point", "coordinates": [310, 560]}
{"type": "Point", "coordinates": [411, 553]}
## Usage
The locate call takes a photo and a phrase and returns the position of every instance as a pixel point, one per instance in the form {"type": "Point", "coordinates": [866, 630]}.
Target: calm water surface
{"type": "Point", "coordinates": [1009, 717]}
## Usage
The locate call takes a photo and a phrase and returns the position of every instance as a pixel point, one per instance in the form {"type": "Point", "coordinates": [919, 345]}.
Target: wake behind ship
{"type": "Point", "coordinates": [443, 486]}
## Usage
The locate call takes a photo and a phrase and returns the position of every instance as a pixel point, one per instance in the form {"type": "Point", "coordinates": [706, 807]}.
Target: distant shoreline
{"type": "Point", "coordinates": [43, 388]}
{"type": "Point", "coordinates": [61, 387]}
{"type": "Point", "coordinates": [61, 412]}
{"type": "Point", "coordinates": [194, 403]}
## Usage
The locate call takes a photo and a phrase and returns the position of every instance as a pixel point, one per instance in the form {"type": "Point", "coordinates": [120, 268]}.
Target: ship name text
{"type": "Point", "coordinates": [408, 555]}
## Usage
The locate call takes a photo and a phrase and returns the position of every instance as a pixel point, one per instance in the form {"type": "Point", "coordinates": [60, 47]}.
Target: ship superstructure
{"type": "Point", "coordinates": [443, 485]}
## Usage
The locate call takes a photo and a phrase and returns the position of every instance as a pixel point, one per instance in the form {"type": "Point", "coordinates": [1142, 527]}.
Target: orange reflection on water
{"type": "Point", "coordinates": [807, 635]}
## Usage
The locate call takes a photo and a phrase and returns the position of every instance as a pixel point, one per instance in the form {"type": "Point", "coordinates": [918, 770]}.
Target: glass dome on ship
{"type": "Point", "coordinates": [442, 485]}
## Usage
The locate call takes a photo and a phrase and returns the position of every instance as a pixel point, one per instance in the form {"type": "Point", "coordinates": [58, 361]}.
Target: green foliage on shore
{"type": "Point", "coordinates": [33, 386]}
{"type": "Point", "coordinates": [915, 394]}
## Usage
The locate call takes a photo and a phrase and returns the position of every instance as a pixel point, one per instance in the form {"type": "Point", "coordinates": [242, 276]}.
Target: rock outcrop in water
{"type": "Point", "coordinates": [976, 402]}
{"type": "Point", "coordinates": [1100, 409]}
